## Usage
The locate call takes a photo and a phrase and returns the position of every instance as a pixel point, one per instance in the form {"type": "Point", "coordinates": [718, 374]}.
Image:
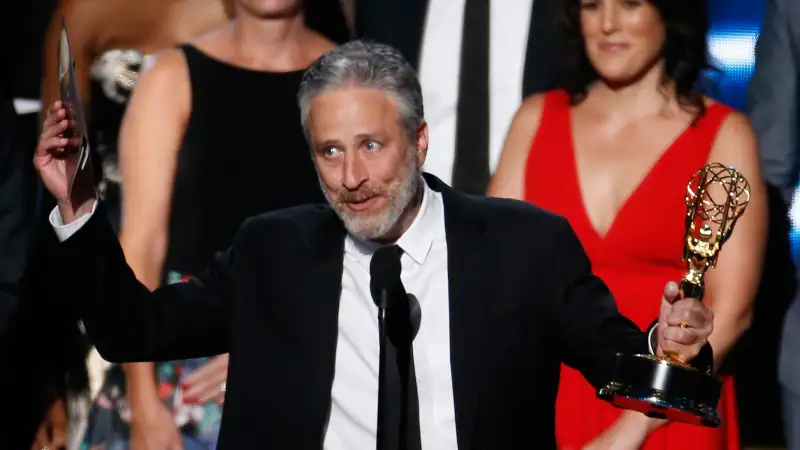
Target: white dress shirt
{"type": "Point", "coordinates": [439, 75]}
{"type": "Point", "coordinates": [354, 395]}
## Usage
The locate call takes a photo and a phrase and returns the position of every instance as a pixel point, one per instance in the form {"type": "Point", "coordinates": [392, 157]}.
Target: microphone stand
{"type": "Point", "coordinates": [382, 368]}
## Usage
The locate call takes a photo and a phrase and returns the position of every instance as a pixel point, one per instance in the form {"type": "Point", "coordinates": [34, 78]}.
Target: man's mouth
{"type": "Point", "coordinates": [363, 204]}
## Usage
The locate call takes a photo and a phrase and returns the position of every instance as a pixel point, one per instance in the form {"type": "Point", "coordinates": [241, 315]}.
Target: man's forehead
{"type": "Point", "coordinates": [360, 96]}
{"type": "Point", "coordinates": [361, 111]}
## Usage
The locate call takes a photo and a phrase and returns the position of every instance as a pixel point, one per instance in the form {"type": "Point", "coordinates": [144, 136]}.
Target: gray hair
{"type": "Point", "coordinates": [365, 64]}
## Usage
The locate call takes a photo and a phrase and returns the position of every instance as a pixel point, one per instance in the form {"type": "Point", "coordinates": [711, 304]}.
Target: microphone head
{"type": "Point", "coordinates": [384, 272]}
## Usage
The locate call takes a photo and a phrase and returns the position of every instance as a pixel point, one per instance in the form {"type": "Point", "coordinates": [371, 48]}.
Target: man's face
{"type": "Point", "coordinates": [368, 168]}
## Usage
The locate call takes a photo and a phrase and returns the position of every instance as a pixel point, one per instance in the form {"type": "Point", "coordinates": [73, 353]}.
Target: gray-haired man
{"type": "Point", "coordinates": [505, 290]}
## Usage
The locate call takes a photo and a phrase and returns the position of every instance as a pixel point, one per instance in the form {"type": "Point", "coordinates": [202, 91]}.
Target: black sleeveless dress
{"type": "Point", "coordinates": [243, 153]}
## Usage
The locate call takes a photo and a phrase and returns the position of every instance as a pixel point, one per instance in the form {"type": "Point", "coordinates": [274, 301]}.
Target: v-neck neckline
{"type": "Point", "coordinates": [646, 176]}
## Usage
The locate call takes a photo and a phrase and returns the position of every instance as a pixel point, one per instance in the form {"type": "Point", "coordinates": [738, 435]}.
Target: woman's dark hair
{"type": "Point", "coordinates": [686, 23]}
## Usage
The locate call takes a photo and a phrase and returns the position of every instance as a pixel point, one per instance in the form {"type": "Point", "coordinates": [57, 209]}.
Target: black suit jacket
{"type": "Point", "coordinates": [401, 24]}
{"type": "Point", "coordinates": [522, 300]}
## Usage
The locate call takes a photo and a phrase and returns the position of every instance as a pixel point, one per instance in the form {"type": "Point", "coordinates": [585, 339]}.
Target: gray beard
{"type": "Point", "coordinates": [379, 225]}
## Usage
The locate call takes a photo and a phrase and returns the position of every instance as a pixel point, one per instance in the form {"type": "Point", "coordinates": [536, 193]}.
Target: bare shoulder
{"type": "Point", "coordinates": [167, 70]}
{"type": "Point", "coordinates": [736, 134]}
{"type": "Point", "coordinates": [83, 19]}
{"type": "Point", "coordinates": [525, 123]}
{"type": "Point", "coordinates": [163, 91]}
{"type": "Point", "coordinates": [735, 126]}
{"type": "Point", "coordinates": [111, 23]}
{"type": "Point", "coordinates": [736, 146]}
{"type": "Point", "coordinates": [318, 44]}
{"type": "Point", "coordinates": [532, 107]}
{"type": "Point", "coordinates": [508, 179]}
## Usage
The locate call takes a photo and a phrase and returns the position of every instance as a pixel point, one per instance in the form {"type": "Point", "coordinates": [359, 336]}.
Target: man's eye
{"type": "Point", "coordinates": [372, 146]}
{"type": "Point", "coordinates": [331, 151]}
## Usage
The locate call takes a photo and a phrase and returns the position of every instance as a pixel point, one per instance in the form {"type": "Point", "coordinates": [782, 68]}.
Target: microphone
{"type": "Point", "coordinates": [384, 273]}
{"type": "Point", "coordinates": [388, 293]}
{"type": "Point", "coordinates": [399, 317]}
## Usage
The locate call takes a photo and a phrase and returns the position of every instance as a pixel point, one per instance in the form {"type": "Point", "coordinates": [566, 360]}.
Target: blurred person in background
{"type": "Point", "coordinates": [773, 108]}
{"type": "Point", "coordinates": [476, 60]}
{"type": "Point", "coordinates": [97, 28]}
{"type": "Point", "coordinates": [612, 151]}
{"type": "Point", "coordinates": [113, 40]}
{"type": "Point", "coordinates": [110, 41]}
{"type": "Point", "coordinates": [203, 145]}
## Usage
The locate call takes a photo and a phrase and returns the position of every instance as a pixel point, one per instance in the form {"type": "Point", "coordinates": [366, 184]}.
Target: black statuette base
{"type": "Point", "coordinates": [664, 390]}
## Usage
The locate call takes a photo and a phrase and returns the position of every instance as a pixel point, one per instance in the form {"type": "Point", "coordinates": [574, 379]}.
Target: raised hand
{"type": "Point", "coordinates": [50, 162]}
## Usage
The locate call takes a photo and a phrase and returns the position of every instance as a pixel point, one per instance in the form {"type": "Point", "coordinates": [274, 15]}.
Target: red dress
{"type": "Point", "coordinates": [639, 254]}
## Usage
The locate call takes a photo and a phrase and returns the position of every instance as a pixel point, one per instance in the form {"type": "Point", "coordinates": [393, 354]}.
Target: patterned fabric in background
{"type": "Point", "coordinates": [108, 425]}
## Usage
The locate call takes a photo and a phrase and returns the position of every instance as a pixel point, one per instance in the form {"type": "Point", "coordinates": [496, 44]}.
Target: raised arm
{"type": "Point", "coordinates": [772, 100]}
{"type": "Point", "coordinates": [127, 321]}
{"type": "Point", "coordinates": [508, 180]}
{"type": "Point", "coordinates": [731, 287]}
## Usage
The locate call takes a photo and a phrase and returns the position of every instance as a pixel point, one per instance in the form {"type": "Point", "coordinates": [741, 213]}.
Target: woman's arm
{"type": "Point", "coordinates": [150, 136]}
{"type": "Point", "coordinates": [508, 180]}
{"type": "Point", "coordinates": [731, 287]}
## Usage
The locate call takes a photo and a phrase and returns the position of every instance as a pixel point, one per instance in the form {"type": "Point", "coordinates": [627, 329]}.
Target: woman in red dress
{"type": "Point", "coordinates": [612, 152]}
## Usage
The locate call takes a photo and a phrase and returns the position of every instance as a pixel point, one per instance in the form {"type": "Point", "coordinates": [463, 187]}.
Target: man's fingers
{"type": "Point", "coordinates": [55, 106]}
{"type": "Point", "coordinates": [671, 292]}
{"type": "Point", "coordinates": [682, 336]}
{"type": "Point", "coordinates": [686, 318]}
{"type": "Point", "coordinates": [690, 313]}
{"type": "Point", "coordinates": [52, 145]}
{"type": "Point", "coordinates": [53, 118]}
{"type": "Point", "coordinates": [54, 129]}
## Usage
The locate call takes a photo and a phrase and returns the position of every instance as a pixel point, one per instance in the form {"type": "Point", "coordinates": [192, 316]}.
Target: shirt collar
{"type": "Point", "coordinates": [416, 242]}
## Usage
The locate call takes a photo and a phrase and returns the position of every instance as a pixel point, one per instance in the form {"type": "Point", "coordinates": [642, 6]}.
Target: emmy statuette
{"type": "Point", "coordinates": [665, 387]}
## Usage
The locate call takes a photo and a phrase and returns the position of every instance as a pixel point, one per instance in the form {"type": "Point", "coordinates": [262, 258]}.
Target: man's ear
{"type": "Point", "coordinates": [422, 143]}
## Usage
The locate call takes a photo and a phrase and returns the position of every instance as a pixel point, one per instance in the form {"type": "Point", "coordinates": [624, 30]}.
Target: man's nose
{"type": "Point", "coordinates": [355, 171]}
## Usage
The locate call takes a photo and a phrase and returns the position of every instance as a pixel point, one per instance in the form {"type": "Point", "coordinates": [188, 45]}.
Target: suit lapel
{"type": "Point", "coordinates": [467, 260]}
{"type": "Point", "coordinates": [325, 240]}
{"type": "Point", "coordinates": [469, 305]}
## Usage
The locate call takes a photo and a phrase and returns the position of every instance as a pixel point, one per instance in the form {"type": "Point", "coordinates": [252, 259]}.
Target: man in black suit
{"type": "Point", "coordinates": [500, 291]}
{"type": "Point", "coordinates": [477, 60]}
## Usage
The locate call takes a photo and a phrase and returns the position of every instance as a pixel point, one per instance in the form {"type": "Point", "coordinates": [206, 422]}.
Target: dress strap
{"type": "Point", "coordinates": [707, 128]}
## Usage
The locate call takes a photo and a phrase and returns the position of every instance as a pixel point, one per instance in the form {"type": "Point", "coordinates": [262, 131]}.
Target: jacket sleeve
{"type": "Point", "coordinates": [591, 331]}
{"type": "Point", "coordinates": [124, 319]}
